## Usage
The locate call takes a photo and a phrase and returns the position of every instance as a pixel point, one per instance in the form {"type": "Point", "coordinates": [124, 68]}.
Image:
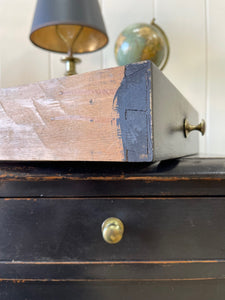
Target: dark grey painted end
{"type": "Point", "coordinates": [132, 102]}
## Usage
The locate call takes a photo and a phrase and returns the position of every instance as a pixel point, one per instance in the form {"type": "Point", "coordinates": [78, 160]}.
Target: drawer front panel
{"type": "Point", "coordinates": [70, 229]}
{"type": "Point", "coordinates": [169, 290]}
{"type": "Point", "coordinates": [80, 271]}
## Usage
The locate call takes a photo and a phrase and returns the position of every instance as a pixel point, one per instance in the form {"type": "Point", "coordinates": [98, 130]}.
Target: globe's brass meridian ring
{"type": "Point", "coordinates": [166, 42]}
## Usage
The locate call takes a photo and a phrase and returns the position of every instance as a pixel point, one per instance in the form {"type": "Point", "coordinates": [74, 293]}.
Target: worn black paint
{"type": "Point", "coordinates": [109, 271]}
{"type": "Point", "coordinates": [86, 179]}
{"type": "Point", "coordinates": [132, 102]}
{"type": "Point", "coordinates": [168, 290]}
{"type": "Point", "coordinates": [70, 229]}
{"type": "Point", "coordinates": [42, 219]}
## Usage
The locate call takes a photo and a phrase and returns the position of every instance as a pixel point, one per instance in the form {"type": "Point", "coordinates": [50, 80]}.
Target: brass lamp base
{"type": "Point", "coordinates": [70, 62]}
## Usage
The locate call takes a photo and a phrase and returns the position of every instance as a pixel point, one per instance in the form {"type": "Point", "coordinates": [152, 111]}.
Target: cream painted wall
{"type": "Point", "coordinates": [196, 65]}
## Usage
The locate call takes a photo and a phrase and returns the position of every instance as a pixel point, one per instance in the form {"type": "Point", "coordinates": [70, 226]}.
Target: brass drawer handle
{"type": "Point", "coordinates": [112, 230]}
{"type": "Point", "coordinates": [188, 127]}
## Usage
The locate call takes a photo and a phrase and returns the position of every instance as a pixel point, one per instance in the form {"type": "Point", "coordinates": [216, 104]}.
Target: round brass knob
{"type": "Point", "coordinates": [188, 127]}
{"type": "Point", "coordinates": [112, 230]}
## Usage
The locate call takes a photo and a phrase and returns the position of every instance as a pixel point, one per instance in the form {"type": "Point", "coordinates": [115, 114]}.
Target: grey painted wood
{"type": "Point", "coordinates": [169, 110]}
{"type": "Point", "coordinates": [132, 103]}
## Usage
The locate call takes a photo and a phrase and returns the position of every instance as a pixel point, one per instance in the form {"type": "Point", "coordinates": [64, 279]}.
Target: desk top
{"type": "Point", "coordinates": [186, 176]}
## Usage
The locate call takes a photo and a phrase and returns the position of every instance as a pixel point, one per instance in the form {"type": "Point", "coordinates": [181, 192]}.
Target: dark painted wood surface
{"type": "Point", "coordinates": [70, 229]}
{"type": "Point", "coordinates": [173, 246]}
{"type": "Point", "coordinates": [120, 270]}
{"type": "Point", "coordinates": [132, 103]}
{"type": "Point", "coordinates": [168, 290]}
{"type": "Point", "coordinates": [184, 177]}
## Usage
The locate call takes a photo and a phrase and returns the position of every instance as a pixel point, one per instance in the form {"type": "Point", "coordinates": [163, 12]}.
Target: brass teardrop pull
{"type": "Point", "coordinates": [112, 230]}
{"type": "Point", "coordinates": [188, 127]}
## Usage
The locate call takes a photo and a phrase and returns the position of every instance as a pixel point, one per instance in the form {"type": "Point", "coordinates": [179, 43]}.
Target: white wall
{"type": "Point", "coordinates": [196, 66]}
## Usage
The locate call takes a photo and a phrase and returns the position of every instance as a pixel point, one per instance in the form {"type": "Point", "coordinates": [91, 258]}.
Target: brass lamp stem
{"type": "Point", "coordinates": [70, 62]}
{"type": "Point", "coordinates": [69, 41]}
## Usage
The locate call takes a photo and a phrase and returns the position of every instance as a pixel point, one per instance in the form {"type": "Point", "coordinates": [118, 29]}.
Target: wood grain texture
{"type": "Point", "coordinates": [98, 116]}
{"type": "Point", "coordinates": [62, 119]}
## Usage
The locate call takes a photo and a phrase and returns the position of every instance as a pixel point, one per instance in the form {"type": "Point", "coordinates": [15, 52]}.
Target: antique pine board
{"type": "Point", "coordinates": [127, 113]}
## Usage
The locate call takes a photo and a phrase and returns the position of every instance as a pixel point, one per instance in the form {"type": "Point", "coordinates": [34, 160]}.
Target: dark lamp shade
{"type": "Point", "coordinates": [82, 18]}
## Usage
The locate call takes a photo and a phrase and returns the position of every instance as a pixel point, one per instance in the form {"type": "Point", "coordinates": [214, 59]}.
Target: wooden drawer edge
{"type": "Point", "coordinates": [119, 271]}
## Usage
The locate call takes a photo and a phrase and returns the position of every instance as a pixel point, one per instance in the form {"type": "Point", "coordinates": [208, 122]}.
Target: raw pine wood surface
{"type": "Point", "coordinates": [70, 118]}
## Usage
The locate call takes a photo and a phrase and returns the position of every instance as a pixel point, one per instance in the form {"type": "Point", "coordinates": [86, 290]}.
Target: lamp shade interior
{"type": "Point", "coordinates": [69, 25]}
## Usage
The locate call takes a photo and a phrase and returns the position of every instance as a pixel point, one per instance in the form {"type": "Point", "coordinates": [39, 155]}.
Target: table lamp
{"type": "Point", "coordinates": [68, 26]}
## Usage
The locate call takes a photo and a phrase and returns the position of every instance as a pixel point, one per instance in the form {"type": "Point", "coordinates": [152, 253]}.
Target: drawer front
{"type": "Point", "coordinates": [70, 229]}
{"type": "Point", "coordinates": [169, 290]}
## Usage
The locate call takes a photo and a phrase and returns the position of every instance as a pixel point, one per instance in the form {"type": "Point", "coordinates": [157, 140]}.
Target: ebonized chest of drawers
{"type": "Point", "coordinates": [173, 247]}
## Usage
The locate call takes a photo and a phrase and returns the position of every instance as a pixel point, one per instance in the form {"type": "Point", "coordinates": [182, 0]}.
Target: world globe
{"type": "Point", "coordinates": [142, 41]}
